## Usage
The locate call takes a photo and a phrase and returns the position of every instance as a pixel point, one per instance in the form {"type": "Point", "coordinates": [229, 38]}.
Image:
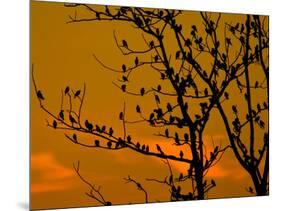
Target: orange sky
{"type": "Point", "coordinates": [62, 56]}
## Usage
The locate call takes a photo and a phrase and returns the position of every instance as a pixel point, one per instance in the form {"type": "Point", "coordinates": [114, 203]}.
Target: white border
{"type": "Point", "coordinates": [14, 106]}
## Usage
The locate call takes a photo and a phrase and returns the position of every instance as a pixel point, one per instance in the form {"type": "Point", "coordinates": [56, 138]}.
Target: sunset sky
{"type": "Point", "coordinates": [62, 55]}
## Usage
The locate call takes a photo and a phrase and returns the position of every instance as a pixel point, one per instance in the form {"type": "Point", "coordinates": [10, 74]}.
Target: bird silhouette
{"type": "Point", "coordinates": [74, 137]}
{"type": "Point", "coordinates": [181, 154]}
{"type": "Point", "coordinates": [143, 147]}
{"type": "Point", "coordinates": [136, 61]}
{"type": "Point", "coordinates": [169, 107]}
{"type": "Point", "coordinates": [110, 131]}
{"type": "Point", "coordinates": [213, 183]}
{"type": "Point", "coordinates": [40, 95]}
{"type": "Point", "coordinates": [124, 67]}
{"type": "Point", "coordinates": [88, 125]}
{"type": "Point", "coordinates": [147, 148]}
{"type": "Point", "coordinates": [226, 95]}
{"type": "Point", "coordinates": [234, 109]}
{"type": "Point", "coordinates": [129, 139]}
{"type": "Point", "coordinates": [157, 99]}
{"type": "Point", "coordinates": [124, 43]}
{"type": "Point", "coordinates": [125, 79]}
{"type": "Point", "coordinates": [167, 132]}
{"type": "Point", "coordinates": [123, 87]}
{"type": "Point", "coordinates": [121, 116]}
{"type": "Point", "coordinates": [177, 140]}
{"type": "Point", "coordinates": [55, 124]}
{"type": "Point", "coordinates": [72, 120]}
{"type": "Point", "coordinates": [61, 115]}
{"type": "Point", "coordinates": [178, 54]}
{"type": "Point", "coordinates": [66, 90]}
{"type": "Point", "coordinates": [97, 143]}
{"type": "Point", "coordinates": [142, 91]}
{"type": "Point", "coordinates": [77, 93]}
{"type": "Point", "coordinates": [186, 138]}
{"type": "Point", "coordinates": [151, 44]}
{"type": "Point", "coordinates": [109, 144]}
{"type": "Point", "coordinates": [138, 110]}
{"type": "Point", "coordinates": [159, 148]}
{"type": "Point", "coordinates": [137, 145]}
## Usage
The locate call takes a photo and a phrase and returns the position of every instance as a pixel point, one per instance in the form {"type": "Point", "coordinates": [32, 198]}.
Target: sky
{"type": "Point", "coordinates": [62, 55]}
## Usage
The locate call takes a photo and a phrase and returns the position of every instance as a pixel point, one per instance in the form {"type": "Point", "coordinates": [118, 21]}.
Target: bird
{"type": "Point", "coordinates": [124, 43]}
{"type": "Point", "coordinates": [143, 147]}
{"type": "Point", "coordinates": [110, 131]}
{"type": "Point", "coordinates": [142, 91]}
{"type": "Point", "coordinates": [186, 138]}
{"type": "Point", "coordinates": [121, 116]}
{"type": "Point", "coordinates": [167, 132]}
{"type": "Point", "coordinates": [123, 87]}
{"type": "Point", "coordinates": [61, 115]}
{"type": "Point", "coordinates": [97, 143]}
{"type": "Point", "coordinates": [213, 183]}
{"type": "Point", "coordinates": [124, 67]}
{"type": "Point", "coordinates": [226, 95]}
{"type": "Point", "coordinates": [151, 44]}
{"type": "Point", "coordinates": [55, 124]}
{"type": "Point", "coordinates": [72, 120]}
{"type": "Point", "coordinates": [77, 93]}
{"type": "Point", "coordinates": [125, 79]}
{"type": "Point", "coordinates": [136, 61]}
{"type": "Point", "coordinates": [109, 144]}
{"type": "Point", "coordinates": [157, 99]}
{"type": "Point", "coordinates": [178, 54]}
{"type": "Point", "coordinates": [159, 148]}
{"type": "Point", "coordinates": [147, 148]}
{"type": "Point", "coordinates": [88, 125]}
{"type": "Point", "coordinates": [74, 137]}
{"type": "Point", "coordinates": [177, 140]}
{"type": "Point", "coordinates": [129, 139]}
{"type": "Point", "coordinates": [138, 110]}
{"type": "Point", "coordinates": [66, 90]}
{"type": "Point", "coordinates": [234, 109]}
{"type": "Point", "coordinates": [138, 145]}
{"type": "Point", "coordinates": [40, 95]}
{"type": "Point", "coordinates": [181, 154]}
{"type": "Point", "coordinates": [169, 107]}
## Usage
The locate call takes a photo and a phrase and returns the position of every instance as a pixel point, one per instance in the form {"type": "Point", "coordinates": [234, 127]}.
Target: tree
{"type": "Point", "coordinates": [190, 82]}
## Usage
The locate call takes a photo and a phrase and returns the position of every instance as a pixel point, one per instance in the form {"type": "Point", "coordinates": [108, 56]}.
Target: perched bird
{"type": "Point", "coordinates": [234, 109]}
{"type": "Point", "coordinates": [186, 138]}
{"type": "Point", "coordinates": [74, 137]}
{"type": "Point", "coordinates": [55, 124]}
{"type": "Point", "coordinates": [72, 120]}
{"type": "Point", "coordinates": [129, 139]}
{"type": "Point", "coordinates": [138, 110]}
{"type": "Point", "coordinates": [147, 148]}
{"type": "Point", "coordinates": [124, 43]}
{"type": "Point", "coordinates": [109, 144]}
{"type": "Point", "coordinates": [40, 95]}
{"type": "Point", "coordinates": [77, 93]}
{"type": "Point", "coordinates": [226, 95]}
{"type": "Point", "coordinates": [125, 79]}
{"type": "Point", "coordinates": [151, 44]}
{"type": "Point", "coordinates": [124, 67]}
{"type": "Point", "coordinates": [123, 87]}
{"type": "Point", "coordinates": [97, 143]}
{"type": "Point", "coordinates": [88, 125]}
{"type": "Point", "coordinates": [142, 91]}
{"type": "Point", "coordinates": [213, 183]}
{"type": "Point", "coordinates": [169, 107]}
{"type": "Point", "coordinates": [159, 88]}
{"type": "Point", "coordinates": [159, 148]}
{"type": "Point", "coordinates": [136, 61]}
{"type": "Point", "coordinates": [121, 116]}
{"type": "Point", "coordinates": [66, 90]}
{"type": "Point", "coordinates": [143, 147]}
{"type": "Point", "coordinates": [167, 132]}
{"type": "Point", "coordinates": [110, 131]}
{"type": "Point", "coordinates": [157, 99]}
{"type": "Point", "coordinates": [181, 154]}
{"type": "Point", "coordinates": [137, 145]}
{"type": "Point", "coordinates": [61, 115]}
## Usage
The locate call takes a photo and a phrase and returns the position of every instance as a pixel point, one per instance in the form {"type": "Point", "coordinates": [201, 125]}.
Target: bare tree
{"type": "Point", "coordinates": [191, 84]}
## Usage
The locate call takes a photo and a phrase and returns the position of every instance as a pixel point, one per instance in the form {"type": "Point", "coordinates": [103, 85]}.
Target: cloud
{"type": "Point", "coordinates": [48, 175]}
